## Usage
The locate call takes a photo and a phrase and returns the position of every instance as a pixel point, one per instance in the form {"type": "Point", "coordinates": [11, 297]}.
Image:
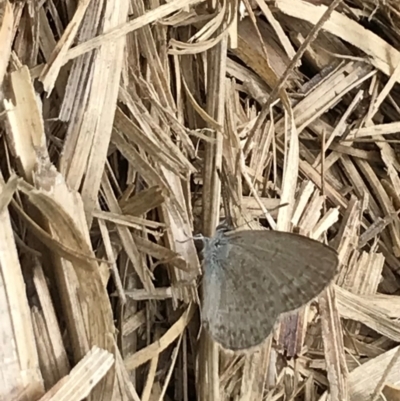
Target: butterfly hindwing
{"type": "Point", "coordinates": [237, 313]}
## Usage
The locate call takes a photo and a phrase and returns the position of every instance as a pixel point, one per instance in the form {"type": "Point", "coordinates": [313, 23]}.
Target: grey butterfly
{"type": "Point", "coordinates": [252, 277]}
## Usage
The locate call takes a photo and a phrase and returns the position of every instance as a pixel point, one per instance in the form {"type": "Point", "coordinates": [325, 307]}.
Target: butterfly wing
{"type": "Point", "coordinates": [260, 275]}
{"type": "Point", "coordinates": [298, 268]}
{"type": "Point", "coordinates": [235, 309]}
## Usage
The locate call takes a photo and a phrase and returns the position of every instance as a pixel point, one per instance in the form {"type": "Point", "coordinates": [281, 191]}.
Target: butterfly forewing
{"type": "Point", "coordinates": [300, 268]}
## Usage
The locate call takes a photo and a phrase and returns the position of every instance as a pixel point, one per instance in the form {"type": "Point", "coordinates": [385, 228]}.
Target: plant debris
{"type": "Point", "coordinates": [127, 127]}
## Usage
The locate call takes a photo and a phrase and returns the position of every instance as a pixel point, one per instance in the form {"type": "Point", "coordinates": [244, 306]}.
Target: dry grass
{"type": "Point", "coordinates": [116, 139]}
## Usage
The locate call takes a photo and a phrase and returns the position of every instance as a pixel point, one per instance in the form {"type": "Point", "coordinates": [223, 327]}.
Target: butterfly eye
{"type": "Point", "coordinates": [218, 244]}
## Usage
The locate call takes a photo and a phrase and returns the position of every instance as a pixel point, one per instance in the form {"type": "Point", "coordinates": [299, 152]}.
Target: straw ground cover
{"type": "Point", "coordinates": [126, 126]}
